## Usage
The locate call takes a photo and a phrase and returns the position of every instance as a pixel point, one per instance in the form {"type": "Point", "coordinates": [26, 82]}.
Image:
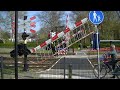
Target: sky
{"type": "Point", "coordinates": [38, 23]}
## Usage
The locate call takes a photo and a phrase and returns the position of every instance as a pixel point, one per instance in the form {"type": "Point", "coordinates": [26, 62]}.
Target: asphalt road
{"type": "Point", "coordinates": [76, 64]}
{"type": "Point", "coordinates": [80, 66]}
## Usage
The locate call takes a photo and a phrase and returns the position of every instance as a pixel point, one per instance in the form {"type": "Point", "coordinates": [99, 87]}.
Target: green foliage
{"type": "Point", "coordinates": [110, 26]}
{"type": "Point", "coordinates": [107, 44]}
{"type": "Point", "coordinates": [4, 35]}
{"type": "Point", "coordinates": [11, 44]}
{"type": "Point", "coordinates": [31, 44]}
{"type": "Point", "coordinates": [108, 29]}
{"type": "Point", "coordinates": [76, 45]}
{"type": "Point", "coordinates": [7, 45]}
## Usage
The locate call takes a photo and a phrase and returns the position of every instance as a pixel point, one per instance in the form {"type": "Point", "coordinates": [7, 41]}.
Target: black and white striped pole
{"type": "Point", "coordinates": [26, 24]}
{"type": "Point", "coordinates": [24, 36]}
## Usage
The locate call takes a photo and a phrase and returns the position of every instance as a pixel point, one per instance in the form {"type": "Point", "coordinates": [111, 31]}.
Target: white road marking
{"type": "Point", "coordinates": [51, 76]}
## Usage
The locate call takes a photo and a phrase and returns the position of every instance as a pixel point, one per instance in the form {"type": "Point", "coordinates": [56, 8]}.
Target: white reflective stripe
{"type": "Point", "coordinates": [79, 31]}
{"type": "Point", "coordinates": [73, 26]}
{"type": "Point", "coordinates": [25, 41]}
{"type": "Point", "coordinates": [38, 47]}
{"type": "Point", "coordinates": [73, 35]}
{"type": "Point", "coordinates": [84, 20]}
{"type": "Point", "coordinates": [31, 50]}
{"type": "Point", "coordinates": [63, 42]}
{"type": "Point", "coordinates": [60, 34]}
{"type": "Point", "coordinates": [48, 41]}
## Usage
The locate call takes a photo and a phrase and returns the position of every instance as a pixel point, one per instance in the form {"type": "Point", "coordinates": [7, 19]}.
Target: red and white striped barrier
{"type": "Point", "coordinates": [62, 52]}
{"type": "Point", "coordinates": [70, 37]}
{"type": "Point", "coordinates": [59, 35]}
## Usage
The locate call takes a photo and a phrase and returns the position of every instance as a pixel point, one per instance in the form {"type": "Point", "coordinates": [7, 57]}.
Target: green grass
{"type": "Point", "coordinates": [9, 73]}
{"type": "Point", "coordinates": [8, 50]}
{"type": "Point", "coordinates": [10, 70]}
{"type": "Point", "coordinates": [11, 44]}
{"type": "Point", "coordinates": [5, 50]}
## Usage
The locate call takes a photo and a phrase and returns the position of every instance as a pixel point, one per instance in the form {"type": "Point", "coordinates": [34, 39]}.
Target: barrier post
{"type": "Point", "coordinates": [64, 67]}
{"type": "Point", "coordinates": [1, 64]}
{"type": "Point", "coordinates": [70, 71]}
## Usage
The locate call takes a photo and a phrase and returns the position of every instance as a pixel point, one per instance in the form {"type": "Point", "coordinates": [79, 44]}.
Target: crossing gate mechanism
{"type": "Point", "coordinates": [58, 44]}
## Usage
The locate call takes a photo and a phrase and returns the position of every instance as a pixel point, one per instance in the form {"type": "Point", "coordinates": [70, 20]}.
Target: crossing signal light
{"type": "Point", "coordinates": [25, 17]}
{"type": "Point", "coordinates": [24, 36]}
{"type": "Point", "coordinates": [22, 49]}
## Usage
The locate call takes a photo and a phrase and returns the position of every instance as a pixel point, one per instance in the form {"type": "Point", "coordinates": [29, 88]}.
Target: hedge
{"type": "Point", "coordinates": [11, 45]}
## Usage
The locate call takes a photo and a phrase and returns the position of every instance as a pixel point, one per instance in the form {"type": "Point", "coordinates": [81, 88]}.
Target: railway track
{"type": "Point", "coordinates": [33, 62]}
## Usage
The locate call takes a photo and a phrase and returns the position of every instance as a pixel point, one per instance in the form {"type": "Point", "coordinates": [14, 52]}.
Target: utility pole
{"type": "Point", "coordinates": [16, 42]}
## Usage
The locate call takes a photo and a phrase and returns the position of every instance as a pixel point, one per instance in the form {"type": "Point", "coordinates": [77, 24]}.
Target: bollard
{"type": "Point", "coordinates": [64, 67]}
{"type": "Point", "coordinates": [1, 66]}
{"type": "Point", "coordinates": [25, 59]}
{"type": "Point", "coordinates": [70, 71]}
{"type": "Point", "coordinates": [73, 50]}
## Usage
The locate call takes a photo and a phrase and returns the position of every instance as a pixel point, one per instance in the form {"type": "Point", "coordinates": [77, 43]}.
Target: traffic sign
{"type": "Point", "coordinates": [96, 17]}
{"type": "Point", "coordinates": [32, 18]}
{"type": "Point", "coordinates": [26, 24]}
{"type": "Point", "coordinates": [32, 31]}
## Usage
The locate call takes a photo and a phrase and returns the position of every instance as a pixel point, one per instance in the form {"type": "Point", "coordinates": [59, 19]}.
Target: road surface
{"type": "Point", "coordinates": [81, 68]}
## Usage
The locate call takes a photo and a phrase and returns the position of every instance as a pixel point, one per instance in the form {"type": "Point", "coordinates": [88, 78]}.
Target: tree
{"type": "Point", "coordinates": [6, 20]}
{"type": "Point", "coordinates": [50, 19]}
{"type": "Point", "coordinates": [110, 25]}
{"type": "Point", "coordinates": [79, 15]}
{"type": "Point", "coordinates": [4, 35]}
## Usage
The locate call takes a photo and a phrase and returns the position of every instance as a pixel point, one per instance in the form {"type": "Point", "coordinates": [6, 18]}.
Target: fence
{"type": "Point", "coordinates": [65, 67]}
{"type": "Point", "coordinates": [69, 68]}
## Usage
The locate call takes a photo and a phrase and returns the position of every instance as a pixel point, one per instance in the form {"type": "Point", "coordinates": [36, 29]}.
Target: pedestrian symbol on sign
{"type": "Point", "coordinates": [96, 17]}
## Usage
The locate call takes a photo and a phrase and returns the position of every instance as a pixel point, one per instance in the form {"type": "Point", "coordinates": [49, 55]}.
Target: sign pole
{"type": "Point", "coordinates": [96, 17]}
{"type": "Point", "coordinates": [98, 53]}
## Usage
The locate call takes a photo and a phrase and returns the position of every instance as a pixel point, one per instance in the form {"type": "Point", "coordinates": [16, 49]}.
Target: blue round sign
{"type": "Point", "coordinates": [96, 17]}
